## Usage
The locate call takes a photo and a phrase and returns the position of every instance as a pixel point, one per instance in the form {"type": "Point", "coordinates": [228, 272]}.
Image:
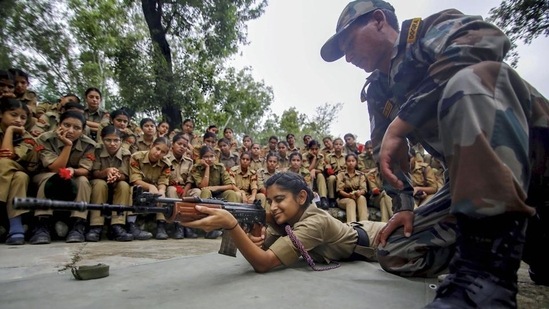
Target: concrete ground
{"type": "Point", "coordinates": [28, 267]}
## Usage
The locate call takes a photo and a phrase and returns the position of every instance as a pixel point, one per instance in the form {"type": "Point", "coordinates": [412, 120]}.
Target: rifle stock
{"type": "Point", "coordinates": [250, 216]}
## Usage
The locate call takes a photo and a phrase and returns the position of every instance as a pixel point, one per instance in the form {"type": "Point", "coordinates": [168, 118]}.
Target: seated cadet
{"type": "Point", "coordinates": [245, 180]}
{"type": "Point", "coordinates": [272, 146]}
{"type": "Point", "coordinates": [181, 167]}
{"type": "Point", "coordinates": [45, 107]}
{"type": "Point", "coordinates": [227, 157]}
{"type": "Point", "coordinates": [162, 129]}
{"type": "Point", "coordinates": [17, 159]}
{"type": "Point", "coordinates": [213, 129]}
{"type": "Point", "coordinates": [314, 162]}
{"type": "Point", "coordinates": [328, 146]}
{"type": "Point", "coordinates": [265, 172]}
{"type": "Point", "coordinates": [111, 173]}
{"type": "Point", "coordinates": [247, 143]}
{"type": "Point", "coordinates": [145, 141]}
{"type": "Point", "coordinates": [49, 115]}
{"type": "Point", "coordinates": [283, 160]}
{"type": "Point", "coordinates": [93, 112]}
{"type": "Point", "coordinates": [292, 147]}
{"type": "Point", "coordinates": [66, 149]}
{"type": "Point", "coordinates": [351, 145]}
{"type": "Point", "coordinates": [335, 163]}
{"type": "Point", "coordinates": [121, 119]}
{"type": "Point", "coordinates": [257, 161]}
{"type": "Point", "coordinates": [21, 90]}
{"type": "Point", "coordinates": [295, 228]}
{"type": "Point", "coordinates": [150, 169]}
{"type": "Point", "coordinates": [188, 128]}
{"type": "Point", "coordinates": [423, 179]}
{"type": "Point", "coordinates": [296, 166]}
{"type": "Point", "coordinates": [351, 186]}
{"type": "Point", "coordinates": [229, 134]}
{"type": "Point", "coordinates": [377, 196]}
{"type": "Point", "coordinates": [306, 139]}
{"type": "Point", "coordinates": [209, 139]}
{"type": "Point", "coordinates": [366, 159]}
{"type": "Point", "coordinates": [213, 180]}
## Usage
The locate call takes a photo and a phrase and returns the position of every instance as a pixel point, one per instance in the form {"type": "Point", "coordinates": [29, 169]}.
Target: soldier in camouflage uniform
{"type": "Point", "coordinates": [441, 81]}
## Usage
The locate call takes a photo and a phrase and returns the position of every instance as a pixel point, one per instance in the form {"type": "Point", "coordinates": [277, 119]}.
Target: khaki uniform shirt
{"type": "Point", "coordinates": [47, 122]}
{"type": "Point", "coordinates": [308, 159]}
{"type": "Point", "coordinates": [141, 145]}
{"type": "Point", "coordinates": [325, 152]}
{"type": "Point", "coordinates": [348, 183]}
{"type": "Point", "coordinates": [305, 173]}
{"type": "Point", "coordinates": [294, 149]}
{"type": "Point", "coordinates": [262, 175]}
{"type": "Point", "coordinates": [366, 162]}
{"type": "Point", "coordinates": [30, 98]}
{"type": "Point", "coordinates": [374, 179]}
{"type": "Point", "coordinates": [218, 175]}
{"type": "Point", "coordinates": [258, 164]}
{"type": "Point", "coordinates": [96, 116]}
{"type": "Point", "coordinates": [141, 168]}
{"type": "Point", "coordinates": [82, 151]}
{"type": "Point", "coordinates": [283, 162]}
{"type": "Point", "coordinates": [323, 236]}
{"type": "Point", "coordinates": [25, 151]}
{"type": "Point", "coordinates": [337, 163]}
{"type": "Point", "coordinates": [244, 181]}
{"type": "Point", "coordinates": [229, 161]}
{"type": "Point", "coordinates": [423, 176]}
{"type": "Point", "coordinates": [120, 160]}
{"type": "Point", "coordinates": [180, 169]}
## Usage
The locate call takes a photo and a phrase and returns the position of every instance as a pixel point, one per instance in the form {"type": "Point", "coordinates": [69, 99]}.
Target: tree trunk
{"type": "Point", "coordinates": [163, 70]}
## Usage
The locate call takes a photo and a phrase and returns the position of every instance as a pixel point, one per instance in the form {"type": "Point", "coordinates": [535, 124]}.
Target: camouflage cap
{"type": "Point", "coordinates": [330, 51]}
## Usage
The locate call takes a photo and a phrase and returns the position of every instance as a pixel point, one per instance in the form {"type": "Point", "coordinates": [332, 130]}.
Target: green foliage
{"type": "Point", "coordinates": [162, 59]}
{"type": "Point", "coordinates": [521, 20]}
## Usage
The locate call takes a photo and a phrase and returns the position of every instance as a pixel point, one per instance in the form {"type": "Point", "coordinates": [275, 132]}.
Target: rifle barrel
{"type": "Point", "coordinates": [46, 204]}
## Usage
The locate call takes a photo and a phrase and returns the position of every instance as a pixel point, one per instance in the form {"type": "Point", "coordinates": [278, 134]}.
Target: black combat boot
{"type": "Point", "coordinates": [161, 230]}
{"type": "Point", "coordinates": [483, 273]}
{"type": "Point", "coordinates": [179, 232]}
{"type": "Point", "coordinates": [118, 233]}
{"type": "Point", "coordinates": [94, 234]}
{"type": "Point", "coordinates": [213, 234]}
{"type": "Point", "coordinates": [324, 203]}
{"type": "Point", "coordinates": [137, 232]}
{"type": "Point", "coordinates": [189, 233]}
{"type": "Point", "coordinates": [77, 232]}
{"type": "Point", "coordinates": [41, 233]}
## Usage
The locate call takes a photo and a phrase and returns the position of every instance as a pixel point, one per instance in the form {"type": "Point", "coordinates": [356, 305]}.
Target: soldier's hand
{"type": "Point", "coordinates": [402, 218]}
{"type": "Point", "coordinates": [393, 156]}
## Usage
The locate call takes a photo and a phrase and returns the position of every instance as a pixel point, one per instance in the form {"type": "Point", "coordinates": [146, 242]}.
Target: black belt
{"type": "Point", "coordinates": [362, 251]}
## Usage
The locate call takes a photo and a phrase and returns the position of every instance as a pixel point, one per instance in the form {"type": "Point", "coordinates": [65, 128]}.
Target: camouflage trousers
{"type": "Point", "coordinates": [489, 128]}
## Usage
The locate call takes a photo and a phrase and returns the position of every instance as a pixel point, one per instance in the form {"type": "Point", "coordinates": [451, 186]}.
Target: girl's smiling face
{"type": "Point", "coordinates": [285, 206]}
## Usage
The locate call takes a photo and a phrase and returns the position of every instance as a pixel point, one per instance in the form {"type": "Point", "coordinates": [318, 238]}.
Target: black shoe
{"type": "Point", "coordinates": [483, 272]}
{"type": "Point", "coordinates": [161, 230]}
{"type": "Point", "coordinates": [94, 234]}
{"type": "Point", "coordinates": [333, 203]}
{"type": "Point", "coordinates": [118, 233]}
{"type": "Point", "coordinates": [15, 239]}
{"type": "Point", "coordinates": [213, 234]}
{"type": "Point", "coordinates": [41, 233]}
{"type": "Point", "coordinates": [179, 232]}
{"type": "Point", "coordinates": [189, 233]}
{"type": "Point", "coordinates": [77, 232]}
{"type": "Point", "coordinates": [324, 203]}
{"type": "Point", "coordinates": [137, 233]}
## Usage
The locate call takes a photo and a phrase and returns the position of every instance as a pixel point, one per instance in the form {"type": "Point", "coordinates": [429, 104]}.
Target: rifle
{"type": "Point", "coordinates": [251, 217]}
